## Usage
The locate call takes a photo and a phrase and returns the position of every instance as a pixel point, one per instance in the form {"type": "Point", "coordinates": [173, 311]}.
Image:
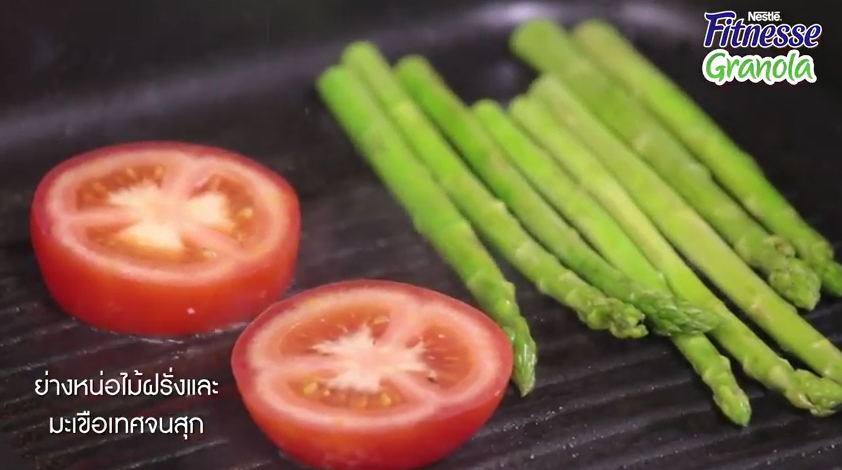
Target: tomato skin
{"type": "Point", "coordinates": [123, 305]}
{"type": "Point", "coordinates": [405, 448]}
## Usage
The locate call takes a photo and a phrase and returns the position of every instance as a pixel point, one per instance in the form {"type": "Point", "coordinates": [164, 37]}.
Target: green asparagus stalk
{"type": "Point", "coordinates": [699, 243]}
{"type": "Point", "coordinates": [667, 314]}
{"type": "Point", "coordinates": [757, 359]}
{"type": "Point", "coordinates": [432, 213]}
{"type": "Point", "coordinates": [552, 182]}
{"type": "Point", "coordinates": [545, 46]}
{"type": "Point", "coordinates": [732, 166]}
{"type": "Point", "coordinates": [489, 216]}
{"type": "Point", "coordinates": [567, 197]}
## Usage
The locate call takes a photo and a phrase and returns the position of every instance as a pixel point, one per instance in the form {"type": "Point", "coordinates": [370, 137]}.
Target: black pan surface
{"type": "Point", "coordinates": [238, 74]}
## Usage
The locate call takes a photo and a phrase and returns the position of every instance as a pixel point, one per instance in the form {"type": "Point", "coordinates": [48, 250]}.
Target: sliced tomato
{"type": "Point", "coordinates": [163, 238]}
{"type": "Point", "coordinates": [371, 375]}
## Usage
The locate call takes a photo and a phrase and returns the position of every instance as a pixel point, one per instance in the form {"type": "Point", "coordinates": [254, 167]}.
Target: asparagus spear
{"type": "Point", "coordinates": [433, 215]}
{"type": "Point", "coordinates": [579, 208]}
{"type": "Point", "coordinates": [488, 215]}
{"type": "Point", "coordinates": [546, 47]}
{"type": "Point", "coordinates": [732, 166]}
{"type": "Point", "coordinates": [698, 242]}
{"type": "Point", "coordinates": [552, 182]}
{"type": "Point", "coordinates": [667, 314]}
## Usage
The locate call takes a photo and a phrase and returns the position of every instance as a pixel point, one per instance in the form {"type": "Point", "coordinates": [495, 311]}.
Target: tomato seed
{"type": "Point", "coordinates": [385, 400]}
{"type": "Point", "coordinates": [360, 402]}
{"type": "Point", "coordinates": [310, 388]}
{"type": "Point", "coordinates": [246, 213]}
{"type": "Point", "coordinates": [131, 173]}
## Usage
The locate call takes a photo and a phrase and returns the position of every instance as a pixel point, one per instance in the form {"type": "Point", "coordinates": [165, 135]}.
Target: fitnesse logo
{"type": "Point", "coordinates": [721, 67]}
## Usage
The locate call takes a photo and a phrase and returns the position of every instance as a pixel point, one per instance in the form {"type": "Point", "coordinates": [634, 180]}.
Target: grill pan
{"type": "Point", "coordinates": [238, 74]}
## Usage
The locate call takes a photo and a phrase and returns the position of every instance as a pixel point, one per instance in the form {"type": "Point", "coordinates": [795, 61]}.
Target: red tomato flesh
{"type": "Point", "coordinates": [371, 375]}
{"type": "Point", "coordinates": [163, 238]}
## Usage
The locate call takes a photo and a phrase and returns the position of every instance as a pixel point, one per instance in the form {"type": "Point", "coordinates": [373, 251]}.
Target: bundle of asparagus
{"type": "Point", "coordinates": [546, 47]}
{"type": "Point", "coordinates": [603, 115]}
{"type": "Point", "coordinates": [734, 168]}
{"type": "Point", "coordinates": [612, 173]}
{"type": "Point", "coordinates": [592, 199]}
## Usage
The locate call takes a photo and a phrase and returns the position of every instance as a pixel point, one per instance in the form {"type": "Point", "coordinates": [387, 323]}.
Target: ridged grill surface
{"type": "Point", "coordinates": [599, 403]}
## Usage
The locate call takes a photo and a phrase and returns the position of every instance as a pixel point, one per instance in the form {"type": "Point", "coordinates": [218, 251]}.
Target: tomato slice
{"type": "Point", "coordinates": [371, 375]}
{"type": "Point", "coordinates": [164, 238]}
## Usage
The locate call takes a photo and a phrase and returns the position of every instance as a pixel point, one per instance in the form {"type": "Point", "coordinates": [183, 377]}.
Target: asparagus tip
{"type": "Point", "coordinates": [537, 23]}
{"type": "Point", "coordinates": [361, 47]}
{"type": "Point", "coordinates": [671, 316]}
{"type": "Point", "coordinates": [832, 278]}
{"type": "Point", "coordinates": [525, 32]}
{"type": "Point", "coordinates": [411, 61]}
{"type": "Point", "coordinates": [518, 101]}
{"type": "Point", "coordinates": [797, 283]}
{"type": "Point", "coordinates": [621, 319]}
{"type": "Point", "coordinates": [485, 104]}
{"type": "Point", "coordinates": [524, 375]}
{"type": "Point", "coordinates": [542, 84]}
{"type": "Point", "coordinates": [333, 72]}
{"type": "Point", "coordinates": [525, 358]}
{"type": "Point", "coordinates": [525, 383]}
{"type": "Point", "coordinates": [823, 395]}
{"type": "Point", "coordinates": [734, 404]}
{"type": "Point", "coordinates": [597, 24]}
{"type": "Point", "coordinates": [780, 245]}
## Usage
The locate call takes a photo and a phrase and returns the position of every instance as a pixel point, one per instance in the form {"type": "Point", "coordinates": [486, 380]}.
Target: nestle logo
{"type": "Point", "coordinates": [764, 16]}
{"type": "Point", "coordinates": [764, 30]}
